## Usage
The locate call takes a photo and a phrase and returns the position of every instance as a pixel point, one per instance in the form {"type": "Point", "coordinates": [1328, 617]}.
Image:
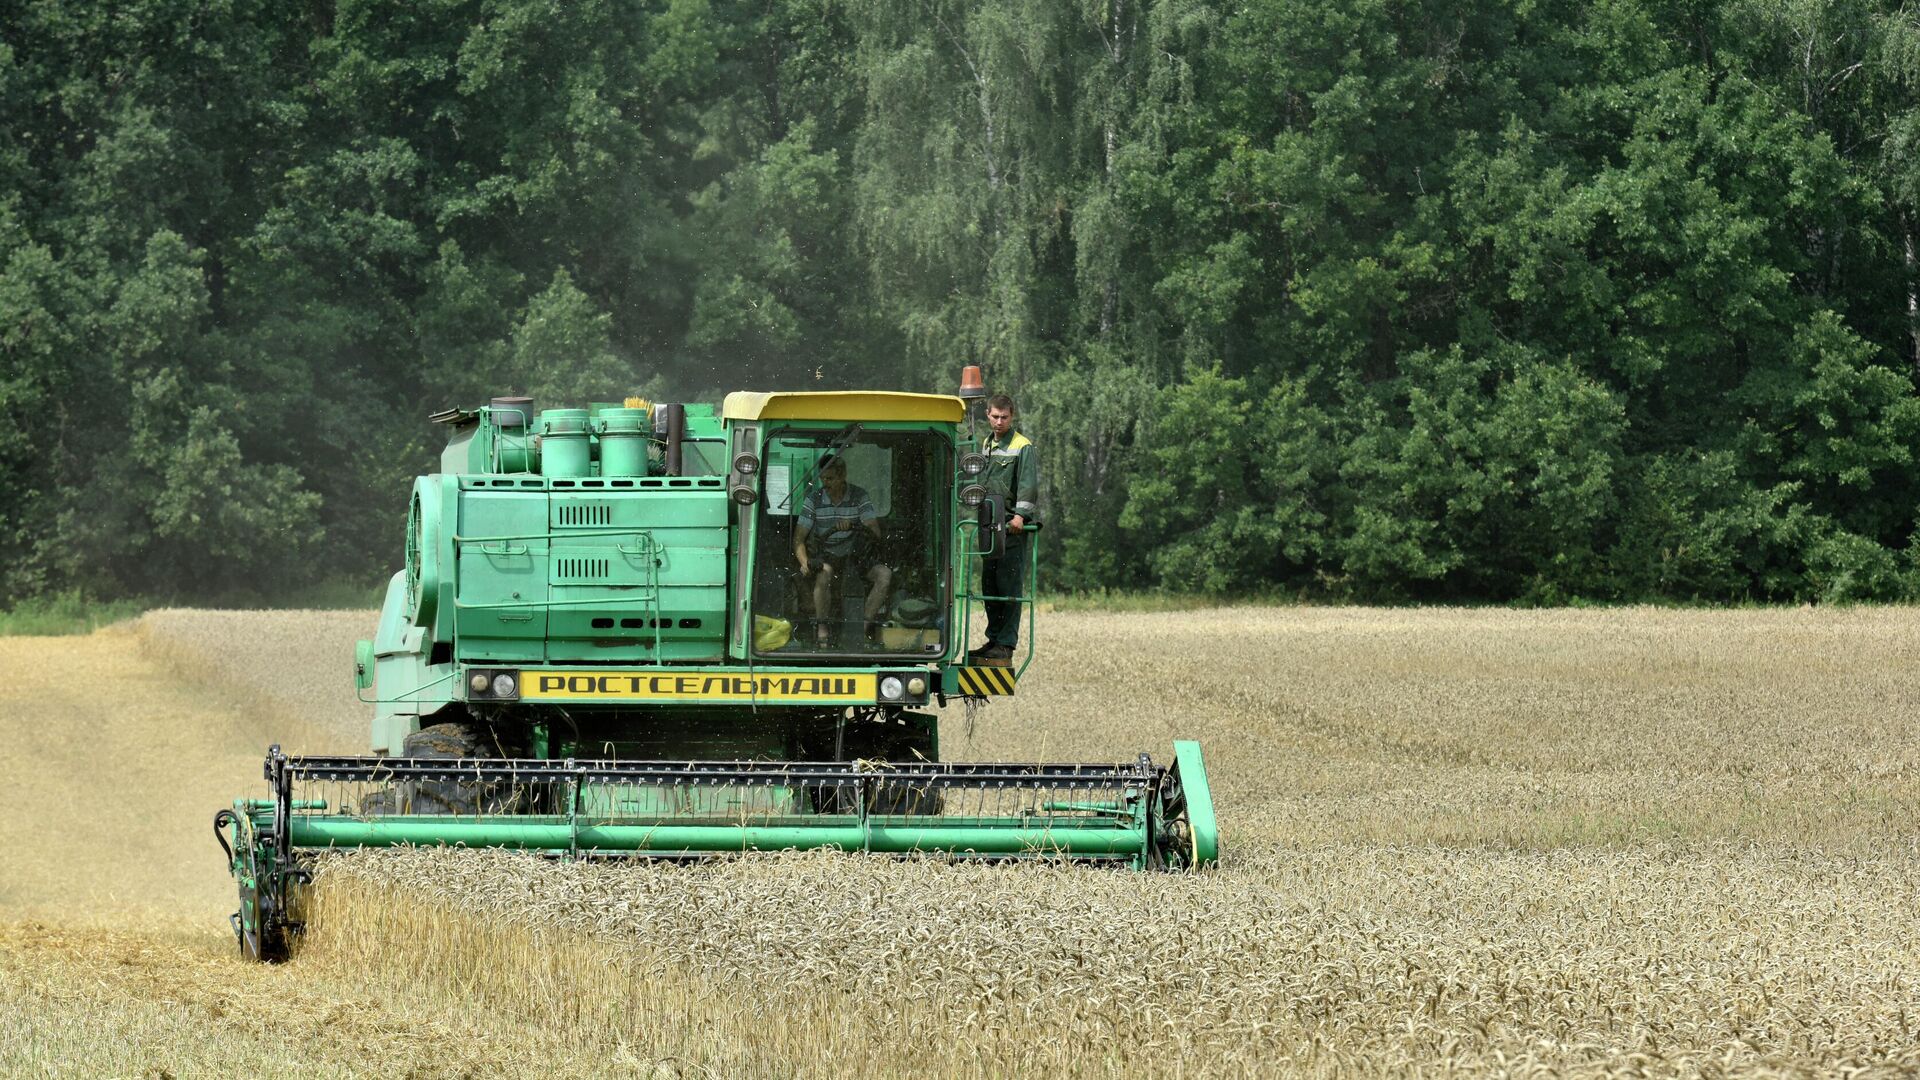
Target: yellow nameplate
{"type": "Point", "coordinates": [849, 687]}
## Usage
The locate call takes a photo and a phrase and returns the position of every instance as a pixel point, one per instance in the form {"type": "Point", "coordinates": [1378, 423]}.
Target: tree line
{"type": "Point", "coordinates": [1529, 300]}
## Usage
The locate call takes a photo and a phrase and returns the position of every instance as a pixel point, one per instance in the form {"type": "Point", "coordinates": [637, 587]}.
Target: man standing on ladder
{"type": "Point", "coordinates": [1013, 474]}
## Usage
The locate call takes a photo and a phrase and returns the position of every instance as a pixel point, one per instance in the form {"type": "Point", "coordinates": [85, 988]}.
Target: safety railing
{"type": "Point", "coordinates": [1031, 571]}
{"type": "Point", "coordinates": [508, 452]}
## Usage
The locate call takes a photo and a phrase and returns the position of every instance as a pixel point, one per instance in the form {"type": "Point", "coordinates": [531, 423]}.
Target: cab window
{"type": "Point", "coordinates": [851, 555]}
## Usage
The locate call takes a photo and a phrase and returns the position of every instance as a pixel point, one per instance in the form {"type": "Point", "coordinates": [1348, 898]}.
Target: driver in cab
{"type": "Point", "coordinates": [830, 522]}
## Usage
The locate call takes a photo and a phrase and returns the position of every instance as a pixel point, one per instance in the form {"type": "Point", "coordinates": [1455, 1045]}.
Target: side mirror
{"type": "Point", "coordinates": [363, 665]}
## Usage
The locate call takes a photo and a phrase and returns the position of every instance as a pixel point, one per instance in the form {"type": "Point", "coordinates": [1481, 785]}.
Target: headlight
{"type": "Point", "coordinates": [492, 685]}
{"type": "Point", "coordinates": [973, 464]}
{"type": "Point", "coordinates": [916, 686]}
{"type": "Point", "coordinates": [745, 463]}
{"type": "Point", "coordinates": [972, 496]}
{"type": "Point", "coordinates": [890, 687]}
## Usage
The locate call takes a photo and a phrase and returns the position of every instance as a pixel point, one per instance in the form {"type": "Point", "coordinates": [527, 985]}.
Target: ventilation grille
{"type": "Point", "coordinates": [584, 513]}
{"type": "Point", "coordinates": [580, 569]}
{"type": "Point", "coordinates": [654, 482]}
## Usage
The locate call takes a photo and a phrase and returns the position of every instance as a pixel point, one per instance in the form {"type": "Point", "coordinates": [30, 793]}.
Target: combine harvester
{"type": "Point", "coordinates": [602, 645]}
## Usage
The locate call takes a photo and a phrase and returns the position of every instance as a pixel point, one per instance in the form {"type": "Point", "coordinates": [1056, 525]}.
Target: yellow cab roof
{"type": "Point", "coordinates": [844, 405]}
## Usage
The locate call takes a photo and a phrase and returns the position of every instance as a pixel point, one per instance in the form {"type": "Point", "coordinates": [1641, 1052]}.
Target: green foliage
{"type": "Point", "coordinates": [63, 613]}
{"type": "Point", "coordinates": [1230, 493]}
{"type": "Point", "coordinates": [1088, 412]}
{"type": "Point", "coordinates": [1487, 478]}
{"type": "Point", "coordinates": [1526, 302]}
{"type": "Point", "coordinates": [561, 348]}
{"type": "Point", "coordinates": [1691, 529]}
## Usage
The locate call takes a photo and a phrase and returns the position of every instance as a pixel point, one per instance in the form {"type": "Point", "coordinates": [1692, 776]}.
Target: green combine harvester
{"type": "Point", "coordinates": [602, 646]}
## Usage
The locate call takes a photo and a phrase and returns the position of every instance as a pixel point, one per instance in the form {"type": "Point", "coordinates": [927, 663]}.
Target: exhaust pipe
{"type": "Point", "coordinates": [674, 419]}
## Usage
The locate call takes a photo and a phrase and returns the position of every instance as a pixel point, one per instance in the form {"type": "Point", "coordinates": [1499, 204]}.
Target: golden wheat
{"type": "Point", "coordinates": [1681, 961]}
{"type": "Point", "coordinates": [1458, 841]}
{"type": "Point", "coordinates": [294, 668]}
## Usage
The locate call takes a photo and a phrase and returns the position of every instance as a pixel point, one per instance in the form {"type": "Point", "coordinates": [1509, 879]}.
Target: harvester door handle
{"type": "Point", "coordinates": [504, 547]}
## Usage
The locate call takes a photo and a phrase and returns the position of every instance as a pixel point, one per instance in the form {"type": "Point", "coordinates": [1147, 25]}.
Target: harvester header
{"type": "Point", "coordinates": [662, 630]}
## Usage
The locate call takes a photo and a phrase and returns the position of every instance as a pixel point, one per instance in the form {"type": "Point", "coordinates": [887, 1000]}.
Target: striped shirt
{"type": "Point", "coordinates": [834, 522]}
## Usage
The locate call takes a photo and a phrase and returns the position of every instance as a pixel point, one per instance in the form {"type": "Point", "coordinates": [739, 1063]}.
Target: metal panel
{"type": "Point", "coordinates": [638, 574]}
{"type": "Point", "coordinates": [503, 559]}
{"type": "Point", "coordinates": [983, 681]}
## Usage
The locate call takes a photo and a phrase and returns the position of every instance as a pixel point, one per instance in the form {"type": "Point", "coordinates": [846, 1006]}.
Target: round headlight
{"type": "Point", "coordinates": [890, 687]}
{"type": "Point", "coordinates": [916, 686]}
{"type": "Point", "coordinates": [973, 464]}
{"type": "Point", "coordinates": [745, 463]}
{"type": "Point", "coordinates": [972, 496]}
{"type": "Point", "coordinates": [743, 494]}
{"type": "Point", "coordinates": [479, 683]}
{"type": "Point", "coordinates": [504, 686]}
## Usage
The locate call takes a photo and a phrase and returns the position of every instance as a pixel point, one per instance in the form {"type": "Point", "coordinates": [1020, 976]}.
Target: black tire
{"type": "Point", "coordinates": [905, 738]}
{"type": "Point", "coordinates": [454, 740]}
{"type": "Point", "coordinates": [447, 742]}
{"type": "Point", "coordinates": [267, 942]}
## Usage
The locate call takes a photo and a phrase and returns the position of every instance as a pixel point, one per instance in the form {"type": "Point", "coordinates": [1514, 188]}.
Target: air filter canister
{"type": "Point", "coordinates": [564, 446]}
{"type": "Point", "coordinates": [623, 442]}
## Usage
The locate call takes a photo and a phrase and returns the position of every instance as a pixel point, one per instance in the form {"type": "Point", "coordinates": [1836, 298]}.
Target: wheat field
{"type": "Point", "coordinates": [1578, 842]}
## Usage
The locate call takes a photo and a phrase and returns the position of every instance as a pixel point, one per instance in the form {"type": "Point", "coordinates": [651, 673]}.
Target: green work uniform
{"type": "Point", "coordinates": [1013, 473]}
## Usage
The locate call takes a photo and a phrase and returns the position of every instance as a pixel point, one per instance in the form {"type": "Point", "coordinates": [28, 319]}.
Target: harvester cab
{"type": "Point", "coordinates": [667, 631]}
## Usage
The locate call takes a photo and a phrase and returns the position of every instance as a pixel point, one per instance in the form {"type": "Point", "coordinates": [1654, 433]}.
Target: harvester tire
{"type": "Point", "coordinates": [267, 942]}
{"type": "Point", "coordinates": [449, 741]}
{"type": "Point", "coordinates": [908, 737]}
{"type": "Point", "coordinates": [443, 741]}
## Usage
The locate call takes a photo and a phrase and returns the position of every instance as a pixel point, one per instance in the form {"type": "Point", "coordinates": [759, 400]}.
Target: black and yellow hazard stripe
{"type": "Point", "coordinates": [983, 681]}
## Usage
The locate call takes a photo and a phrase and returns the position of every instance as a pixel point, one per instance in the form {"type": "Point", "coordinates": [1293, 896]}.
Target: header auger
{"type": "Point", "coordinates": [600, 646]}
